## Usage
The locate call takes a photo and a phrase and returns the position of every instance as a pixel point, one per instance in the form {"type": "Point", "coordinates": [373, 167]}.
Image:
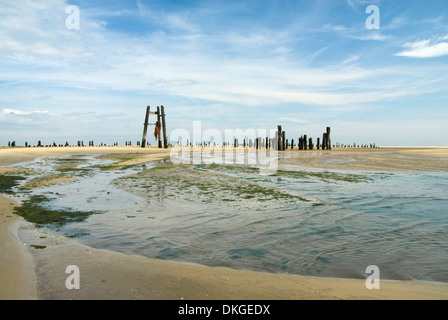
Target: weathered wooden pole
{"type": "Point", "coordinates": [165, 138]}
{"type": "Point", "coordinates": [279, 138]}
{"type": "Point", "coordinates": [328, 139]}
{"type": "Point", "coordinates": [283, 140]}
{"type": "Point", "coordinates": [318, 141]}
{"type": "Point", "coordinates": [145, 126]}
{"type": "Point", "coordinates": [304, 142]}
{"type": "Point", "coordinates": [310, 144]}
{"type": "Point", "coordinates": [324, 141]}
{"type": "Point", "coordinates": [159, 127]}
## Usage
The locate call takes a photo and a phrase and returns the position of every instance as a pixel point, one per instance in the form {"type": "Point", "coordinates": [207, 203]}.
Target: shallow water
{"type": "Point", "coordinates": [319, 223]}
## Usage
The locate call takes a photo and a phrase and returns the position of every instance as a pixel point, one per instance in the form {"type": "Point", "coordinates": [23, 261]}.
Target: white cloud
{"type": "Point", "coordinates": [357, 3]}
{"type": "Point", "coordinates": [19, 116]}
{"type": "Point", "coordinates": [350, 59]}
{"type": "Point", "coordinates": [331, 27]}
{"type": "Point", "coordinates": [425, 48]}
{"type": "Point", "coordinates": [375, 36]}
{"type": "Point", "coordinates": [8, 111]}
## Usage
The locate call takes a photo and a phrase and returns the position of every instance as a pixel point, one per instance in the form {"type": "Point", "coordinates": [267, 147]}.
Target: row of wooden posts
{"type": "Point", "coordinates": [279, 142]}
{"type": "Point", "coordinates": [79, 143]}
{"type": "Point", "coordinates": [304, 143]}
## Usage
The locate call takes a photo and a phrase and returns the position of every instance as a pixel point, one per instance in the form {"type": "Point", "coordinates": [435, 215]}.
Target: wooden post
{"type": "Point", "coordinates": [310, 144]}
{"type": "Point", "coordinates": [318, 141]}
{"type": "Point", "coordinates": [283, 141]}
{"type": "Point", "coordinates": [159, 125]}
{"type": "Point", "coordinates": [304, 142]}
{"type": "Point", "coordinates": [145, 127]}
{"type": "Point", "coordinates": [328, 139]}
{"type": "Point", "coordinates": [165, 138]}
{"type": "Point", "coordinates": [279, 138]}
{"type": "Point", "coordinates": [324, 141]}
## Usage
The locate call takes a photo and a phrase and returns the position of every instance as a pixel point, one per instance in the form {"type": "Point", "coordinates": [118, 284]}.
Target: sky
{"type": "Point", "coordinates": [376, 76]}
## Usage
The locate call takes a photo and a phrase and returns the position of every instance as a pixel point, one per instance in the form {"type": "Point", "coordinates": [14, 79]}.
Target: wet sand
{"type": "Point", "coordinates": [381, 159]}
{"type": "Point", "coordinates": [17, 273]}
{"type": "Point", "coordinates": [28, 272]}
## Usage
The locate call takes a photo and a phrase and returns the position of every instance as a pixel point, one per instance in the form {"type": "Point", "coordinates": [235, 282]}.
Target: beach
{"type": "Point", "coordinates": [31, 273]}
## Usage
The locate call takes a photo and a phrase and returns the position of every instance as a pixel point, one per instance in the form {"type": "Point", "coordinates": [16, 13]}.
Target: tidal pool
{"type": "Point", "coordinates": [300, 221]}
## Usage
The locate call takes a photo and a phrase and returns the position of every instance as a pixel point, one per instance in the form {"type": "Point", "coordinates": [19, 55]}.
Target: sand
{"type": "Point", "coordinates": [382, 159]}
{"type": "Point", "coordinates": [28, 272]}
{"type": "Point", "coordinates": [17, 274]}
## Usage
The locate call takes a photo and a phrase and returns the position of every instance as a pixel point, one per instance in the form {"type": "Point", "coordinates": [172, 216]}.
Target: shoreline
{"type": "Point", "coordinates": [17, 274]}
{"type": "Point", "coordinates": [111, 275]}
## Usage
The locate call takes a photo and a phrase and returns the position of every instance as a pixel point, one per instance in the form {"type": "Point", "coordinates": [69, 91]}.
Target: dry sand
{"type": "Point", "coordinates": [28, 272]}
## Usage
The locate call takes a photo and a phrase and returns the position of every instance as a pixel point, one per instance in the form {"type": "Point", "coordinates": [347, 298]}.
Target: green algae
{"type": "Point", "coordinates": [8, 182]}
{"type": "Point", "coordinates": [35, 211]}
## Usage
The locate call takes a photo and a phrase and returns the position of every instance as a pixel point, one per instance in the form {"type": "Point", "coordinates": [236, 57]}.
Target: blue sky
{"type": "Point", "coordinates": [254, 64]}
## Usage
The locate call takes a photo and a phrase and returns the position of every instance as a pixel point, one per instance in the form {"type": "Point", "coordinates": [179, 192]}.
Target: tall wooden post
{"type": "Point", "coordinates": [305, 142]}
{"type": "Point", "coordinates": [145, 127]}
{"type": "Point", "coordinates": [279, 138]}
{"type": "Point", "coordinates": [165, 138]}
{"type": "Point", "coordinates": [328, 139]}
{"type": "Point", "coordinates": [318, 141]}
{"type": "Point", "coordinates": [159, 125]}
{"type": "Point", "coordinates": [324, 141]}
{"type": "Point", "coordinates": [283, 140]}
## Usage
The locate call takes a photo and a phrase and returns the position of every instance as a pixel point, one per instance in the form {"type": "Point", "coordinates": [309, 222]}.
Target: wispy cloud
{"type": "Point", "coordinates": [426, 48]}
{"type": "Point", "coordinates": [16, 112]}
{"type": "Point", "coordinates": [336, 28]}
{"type": "Point", "coordinates": [355, 4]}
{"type": "Point", "coordinates": [376, 36]}
{"type": "Point", "coordinates": [350, 59]}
